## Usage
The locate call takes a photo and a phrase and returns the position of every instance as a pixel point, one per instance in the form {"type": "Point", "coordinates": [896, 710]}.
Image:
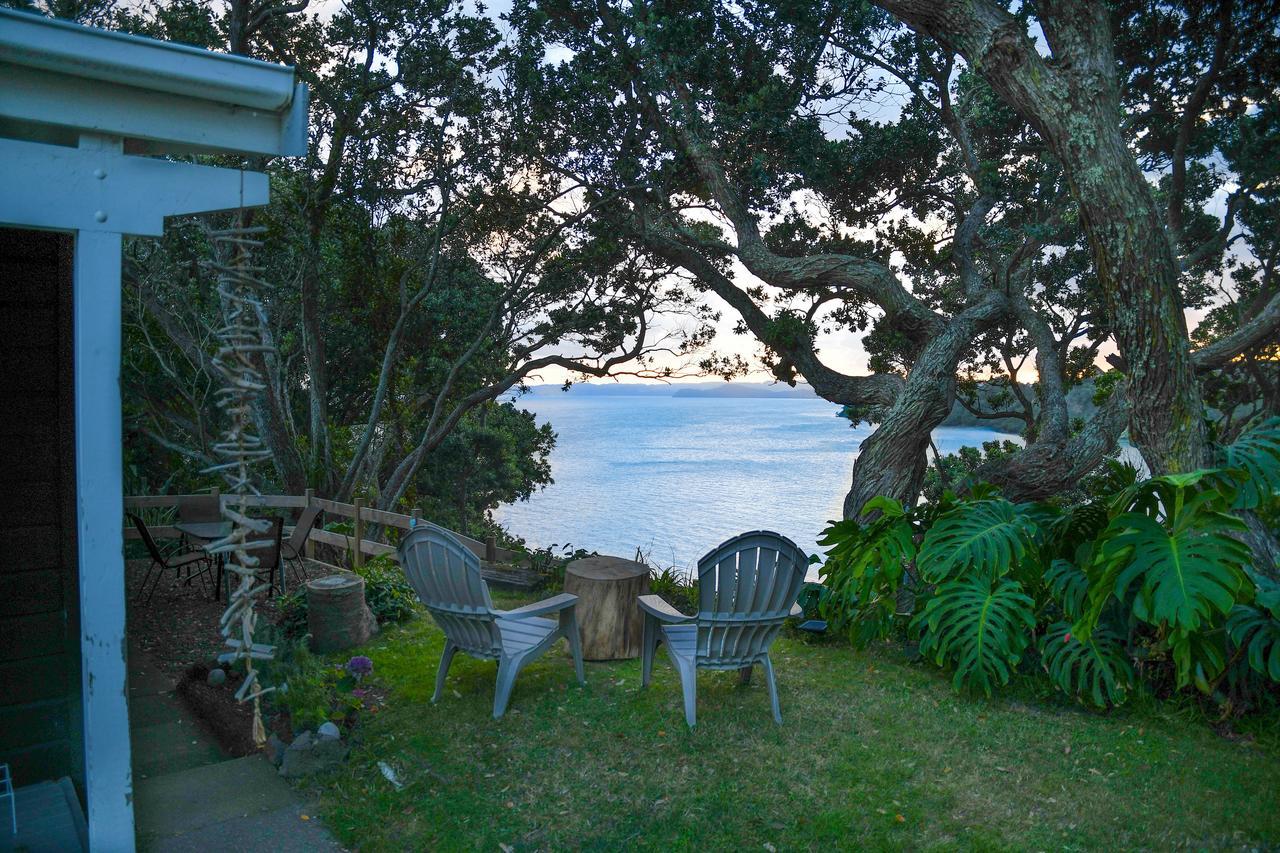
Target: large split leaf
{"type": "Point", "coordinates": [864, 567]}
{"type": "Point", "coordinates": [1184, 575]}
{"type": "Point", "coordinates": [1257, 631]}
{"type": "Point", "coordinates": [1174, 557]}
{"type": "Point", "coordinates": [1199, 657]}
{"type": "Point", "coordinates": [1096, 670]}
{"type": "Point", "coordinates": [1256, 454]}
{"type": "Point", "coordinates": [1069, 586]}
{"type": "Point", "coordinates": [980, 626]}
{"type": "Point", "coordinates": [981, 538]}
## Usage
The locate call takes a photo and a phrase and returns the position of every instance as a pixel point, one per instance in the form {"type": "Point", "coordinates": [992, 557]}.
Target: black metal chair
{"type": "Point", "coordinates": [198, 509]}
{"type": "Point", "coordinates": [268, 558]}
{"type": "Point", "coordinates": [292, 549]}
{"type": "Point", "coordinates": [160, 562]}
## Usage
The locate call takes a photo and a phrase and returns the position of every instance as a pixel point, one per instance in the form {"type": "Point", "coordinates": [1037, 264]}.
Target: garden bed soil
{"type": "Point", "coordinates": [215, 706]}
{"type": "Point", "coordinates": [230, 722]}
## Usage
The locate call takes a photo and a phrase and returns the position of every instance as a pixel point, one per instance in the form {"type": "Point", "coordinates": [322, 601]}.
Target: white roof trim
{"type": "Point", "coordinates": [78, 51]}
{"type": "Point", "coordinates": [52, 56]}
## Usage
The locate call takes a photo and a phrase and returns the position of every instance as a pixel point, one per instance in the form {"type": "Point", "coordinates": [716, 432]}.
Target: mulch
{"type": "Point", "coordinates": [230, 722]}
{"type": "Point", "coordinates": [178, 628]}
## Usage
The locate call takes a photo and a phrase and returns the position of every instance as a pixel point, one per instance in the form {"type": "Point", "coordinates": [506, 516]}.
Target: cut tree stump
{"type": "Point", "coordinates": [337, 615]}
{"type": "Point", "coordinates": [609, 617]}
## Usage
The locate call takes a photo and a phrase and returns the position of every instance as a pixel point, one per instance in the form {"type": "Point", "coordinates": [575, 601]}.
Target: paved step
{"type": "Point", "coordinates": [150, 709]}
{"type": "Point", "coordinates": [172, 747]}
{"type": "Point", "coordinates": [188, 795]}
{"type": "Point", "coordinates": [240, 804]}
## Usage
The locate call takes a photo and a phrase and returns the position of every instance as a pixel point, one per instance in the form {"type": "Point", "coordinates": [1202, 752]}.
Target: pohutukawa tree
{"type": "Point", "coordinates": [426, 262]}
{"type": "Point", "coordinates": [972, 188]}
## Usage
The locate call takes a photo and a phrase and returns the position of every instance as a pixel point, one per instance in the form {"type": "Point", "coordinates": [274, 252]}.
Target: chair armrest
{"type": "Point", "coordinates": [656, 607]}
{"type": "Point", "coordinates": [549, 605]}
{"type": "Point", "coordinates": [797, 611]}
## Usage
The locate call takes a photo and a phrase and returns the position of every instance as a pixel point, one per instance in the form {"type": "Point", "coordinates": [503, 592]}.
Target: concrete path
{"type": "Point", "coordinates": [188, 795]}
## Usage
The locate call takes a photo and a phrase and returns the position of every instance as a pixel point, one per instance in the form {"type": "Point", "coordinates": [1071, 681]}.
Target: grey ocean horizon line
{"type": "Point", "coordinates": [1080, 403]}
{"type": "Point", "coordinates": [675, 476]}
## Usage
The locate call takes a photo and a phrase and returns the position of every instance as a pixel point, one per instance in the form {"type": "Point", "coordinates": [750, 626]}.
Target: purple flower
{"type": "Point", "coordinates": [359, 666]}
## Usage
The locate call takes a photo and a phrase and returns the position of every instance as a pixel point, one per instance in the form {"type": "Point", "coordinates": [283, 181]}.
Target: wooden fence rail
{"type": "Point", "coordinates": [360, 515]}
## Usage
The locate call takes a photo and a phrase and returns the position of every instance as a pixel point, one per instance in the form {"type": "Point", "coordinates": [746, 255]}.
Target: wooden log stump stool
{"type": "Point", "coordinates": [609, 617]}
{"type": "Point", "coordinates": [337, 615]}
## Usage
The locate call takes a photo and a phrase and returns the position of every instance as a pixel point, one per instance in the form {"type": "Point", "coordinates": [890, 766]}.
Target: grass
{"type": "Point", "coordinates": [875, 752]}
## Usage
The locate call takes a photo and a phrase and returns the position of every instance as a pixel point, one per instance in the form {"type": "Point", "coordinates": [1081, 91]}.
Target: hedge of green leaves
{"type": "Point", "coordinates": [1152, 581]}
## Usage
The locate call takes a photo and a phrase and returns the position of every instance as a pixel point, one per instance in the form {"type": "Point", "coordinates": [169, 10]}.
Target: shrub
{"type": "Point", "coordinates": [386, 591]}
{"type": "Point", "coordinates": [310, 690]}
{"type": "Point", "coordinates": [551, 561]}
{"type": "Point", "coordinates": [1155, 572]}
{"type": "Point", "coordinates": [679, 588]}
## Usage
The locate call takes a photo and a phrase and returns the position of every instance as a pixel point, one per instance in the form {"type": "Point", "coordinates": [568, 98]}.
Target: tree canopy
{"type": "Point", "coordinates": [978, 190]}
{"type": "Point", "coordinates": [424, 265]}
{"type": "Point", "coordinates": [973, 188]}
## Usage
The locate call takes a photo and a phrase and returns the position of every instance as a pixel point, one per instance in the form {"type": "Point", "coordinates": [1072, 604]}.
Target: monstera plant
{"type": "Point", "coordinates": [1157, 570]}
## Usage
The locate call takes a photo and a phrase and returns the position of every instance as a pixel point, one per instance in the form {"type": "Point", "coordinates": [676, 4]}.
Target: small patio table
{"type": "Point", "coordinates": [208, 531]}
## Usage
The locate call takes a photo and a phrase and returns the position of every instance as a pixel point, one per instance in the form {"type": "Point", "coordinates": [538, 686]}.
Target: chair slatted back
{"type": "Point", "coordinates": [746, 587]}
{"type": "Point", "coordinates": [143, 531]}
{"type": "Point", "coordinates": [199, 509]}
{"type": "Point", "coordinates": [302, 530]}
{"type": "Point", "coordinates": [446, 575]}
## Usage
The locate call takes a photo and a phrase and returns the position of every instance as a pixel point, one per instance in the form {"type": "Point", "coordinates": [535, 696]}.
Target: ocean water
{"type": "Point", "coordinates": [674, 476]}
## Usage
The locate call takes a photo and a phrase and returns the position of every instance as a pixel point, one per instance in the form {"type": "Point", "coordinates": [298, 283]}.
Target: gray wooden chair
{"type": "Point", "coordinates": [446, 576]}
{"type": "Point", "coordinates": [747, 588]}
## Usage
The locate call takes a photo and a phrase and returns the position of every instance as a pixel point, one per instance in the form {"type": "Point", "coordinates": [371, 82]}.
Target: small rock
{"type": "Point", "coordinates": [306, 756]}
{"type": "Point", "coordinates": [328, 731]}
{"type": "Point", "coordinates": [275, 750]}
{"type": "Point", "coordinates": [216, 677]}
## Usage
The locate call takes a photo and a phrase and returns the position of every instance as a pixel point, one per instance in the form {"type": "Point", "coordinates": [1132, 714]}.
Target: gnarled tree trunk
{"type": "Point", "coordinates": [1073, 102]}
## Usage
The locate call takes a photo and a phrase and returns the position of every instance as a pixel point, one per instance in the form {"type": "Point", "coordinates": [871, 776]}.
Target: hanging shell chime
{"type": "Point", "coordinates": [240, 349]}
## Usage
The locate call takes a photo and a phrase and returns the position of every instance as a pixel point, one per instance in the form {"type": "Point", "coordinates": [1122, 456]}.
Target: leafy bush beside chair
{"type": "Point", "coordinates": [1157, 572]}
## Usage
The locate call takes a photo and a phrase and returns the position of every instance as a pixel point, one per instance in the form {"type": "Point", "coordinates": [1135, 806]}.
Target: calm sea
{"type": "Point", "coordinates": [674, 476]}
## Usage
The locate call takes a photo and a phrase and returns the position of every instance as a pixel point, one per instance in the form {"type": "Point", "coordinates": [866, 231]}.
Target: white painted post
{"type": "Point", "coordinates": [100, 541]}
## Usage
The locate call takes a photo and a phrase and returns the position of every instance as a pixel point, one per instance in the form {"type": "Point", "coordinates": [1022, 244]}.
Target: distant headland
{"type": "Point", "coordinates": [1079, 399]}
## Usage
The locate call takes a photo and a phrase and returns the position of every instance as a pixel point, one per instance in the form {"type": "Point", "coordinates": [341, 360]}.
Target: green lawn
{"type": "Point", "coordinates": [875, 752]}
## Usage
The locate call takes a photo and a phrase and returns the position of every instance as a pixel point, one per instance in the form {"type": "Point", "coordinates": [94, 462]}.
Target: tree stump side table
{"type": "Point", "coordinates": [609, 617]}
{"type": "Point", "coordinates": [337, 616]}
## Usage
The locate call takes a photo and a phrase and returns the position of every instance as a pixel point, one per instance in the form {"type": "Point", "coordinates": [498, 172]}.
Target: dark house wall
{"type": "Point", "coordinates": [40, 711]}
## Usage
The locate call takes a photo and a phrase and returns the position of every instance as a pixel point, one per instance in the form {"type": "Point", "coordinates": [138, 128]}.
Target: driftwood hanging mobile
{"type": "Point", "coordinates": [240, 349]}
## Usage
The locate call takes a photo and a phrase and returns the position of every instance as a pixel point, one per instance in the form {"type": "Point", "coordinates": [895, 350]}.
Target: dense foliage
{"type": "Point", "coordinates": [312, 690]}
{"type": "Point", "coordinates": [944, 181]}
{"type": "Point", "coordinates": [386, 591]}
{"type": "Point", "coordinates": [1147, 581]}
{"type": "Point", "coordinates": [424, 264]}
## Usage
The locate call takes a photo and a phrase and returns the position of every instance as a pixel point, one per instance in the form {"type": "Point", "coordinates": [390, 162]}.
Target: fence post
{"type": "Point", "coordinates": [310, 548]}
{"type": "Point", "coordinates": [357, 556]}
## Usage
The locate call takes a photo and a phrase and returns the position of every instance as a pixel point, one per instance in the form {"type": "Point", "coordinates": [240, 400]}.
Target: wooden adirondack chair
{"type": "Point", "coordinates": [747, 587]}
{"type": "Point", "coordinates": [446, 576]}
